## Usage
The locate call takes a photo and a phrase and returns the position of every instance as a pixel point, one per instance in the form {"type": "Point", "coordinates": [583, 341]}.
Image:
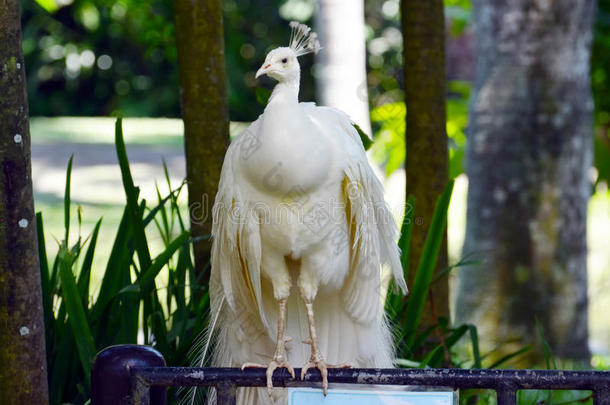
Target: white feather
{"type": "Point", "coordinates": [298, 197]}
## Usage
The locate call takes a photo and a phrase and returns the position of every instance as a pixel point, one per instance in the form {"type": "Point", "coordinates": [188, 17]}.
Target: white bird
{"type": "Point", "coordinates": [301, 232]}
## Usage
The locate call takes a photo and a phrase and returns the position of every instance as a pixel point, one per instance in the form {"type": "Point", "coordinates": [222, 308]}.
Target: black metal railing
{"type": "Point", "coordinates": [136, 375]}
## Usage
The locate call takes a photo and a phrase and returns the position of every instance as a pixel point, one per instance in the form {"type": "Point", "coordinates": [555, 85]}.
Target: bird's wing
{"type": "Point", "coordinates": [371, 227]}
{"type": "Point", "coordinates": [236, 247]}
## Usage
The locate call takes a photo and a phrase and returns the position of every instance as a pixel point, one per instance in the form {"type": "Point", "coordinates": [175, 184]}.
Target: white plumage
{"type": "Point", "coordinates": [301, 228]}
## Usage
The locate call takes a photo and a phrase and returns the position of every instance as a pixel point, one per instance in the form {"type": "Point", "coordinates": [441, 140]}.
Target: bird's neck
{"type": "Point", "coordinates": [285, 92]}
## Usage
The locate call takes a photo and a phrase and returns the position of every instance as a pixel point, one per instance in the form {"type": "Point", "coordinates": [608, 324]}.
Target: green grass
{"type": "Point", "coordinates": [143, 131]}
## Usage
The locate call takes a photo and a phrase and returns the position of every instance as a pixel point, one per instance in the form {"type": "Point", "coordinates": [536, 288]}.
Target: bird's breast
{"type": "Point", "coordinates": [291, 158]}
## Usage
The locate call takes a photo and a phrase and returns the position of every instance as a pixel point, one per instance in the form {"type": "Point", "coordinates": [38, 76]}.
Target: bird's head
{"type": "Point", "coordinates": [281, 63]}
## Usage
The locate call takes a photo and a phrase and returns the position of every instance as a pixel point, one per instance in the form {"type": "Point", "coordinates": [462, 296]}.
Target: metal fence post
{"type": "Point", "coordinates": [111, 375]}
{"type": "Point", "coordinates": [226, 394]}
{"type": "Point", "coordinates": [601, 396]}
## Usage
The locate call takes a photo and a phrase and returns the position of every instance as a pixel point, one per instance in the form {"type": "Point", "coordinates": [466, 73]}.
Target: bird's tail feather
{"type": "Point", "coordinates": [199, 355]}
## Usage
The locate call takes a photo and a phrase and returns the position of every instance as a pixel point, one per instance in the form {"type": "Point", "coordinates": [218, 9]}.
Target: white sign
{"type": "Point", "coordinates": [312, 396]}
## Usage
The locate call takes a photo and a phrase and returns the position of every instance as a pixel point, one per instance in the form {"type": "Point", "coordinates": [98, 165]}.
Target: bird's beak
{"type": "Point", "coordinates": [262, 70]}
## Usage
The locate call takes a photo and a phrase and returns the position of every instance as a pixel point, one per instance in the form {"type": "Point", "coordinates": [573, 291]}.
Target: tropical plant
{"type": "Point", "coordinates": [131, 306]}
{"type": "Point", "coordinates": [405, 313]}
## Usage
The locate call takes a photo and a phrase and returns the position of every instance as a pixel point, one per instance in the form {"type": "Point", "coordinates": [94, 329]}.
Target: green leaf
{"type": "Point", "coordinates": [435, 358]}
{"type": "Point", "coordinates": [509, 356]}
{"type": "Point", "coordinates": [131, 193]}
{"type": "Point", "coordinates": [474, 338]}
{"type": "Point", "coordinates": [84, 276]}
{"type": "Point", "coordinates": [436, 352]}
{"type": "Point", "coordinates": [262, 95]}
{"type": "Point", "coordinates": [117, 268]}
{"type": "Point", "coordinates": [464, 261]}
{"type": "Point", "coordinates": [44, 262]}
{"type": "Point", "coordinates": [45, 281]}
{"type": "Point", "coordinates": [427, 263]}
{"type": "Point", "coordinates": [367, 142]}
{"type": "Point", "coordinates": [151, 305]}
{"type": "Point", "coordinates": [404, 363]}
{"type": "Point", "coordinates": [548, 352]}
{"type": "Point", "coordinates": [151, 215]}
{"type": "Point", "coordinates": [404, 243]}
{"type": "Point", "coordinates": [390, 111]}
{"type": "Point", "coordinates": [149, 274]}
{"type": "Point", "coordinates": [395, 303]}
{"type": "Point", "coordinates": [67, 200]}
{"type": "Point", "coordinates": [49, 5]}
{"type": "Point", "coordinates": [76, 314]}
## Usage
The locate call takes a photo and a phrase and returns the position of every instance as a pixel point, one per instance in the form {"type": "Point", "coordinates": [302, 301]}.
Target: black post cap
{"type": "Point", "coordinates": [110, 375]}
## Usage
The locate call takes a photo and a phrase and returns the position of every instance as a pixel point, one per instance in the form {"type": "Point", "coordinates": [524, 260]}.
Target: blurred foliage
{"type": "Point", "coordinates": [600, 75]}
{"type": "Point", "coordinates": [94, 57]}
{"type": "Point", "coordinates": [389, 146]}
{"type": "Point", "coordinates": [385, 84]}
{"type": "Point", "coordinates": [384, 58]}
{"type": "Point", "coordinates": [88, 57]}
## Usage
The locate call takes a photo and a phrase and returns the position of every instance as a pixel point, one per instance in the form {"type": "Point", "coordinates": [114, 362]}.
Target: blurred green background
{"type": "Point", "coordinates": [97, 58]}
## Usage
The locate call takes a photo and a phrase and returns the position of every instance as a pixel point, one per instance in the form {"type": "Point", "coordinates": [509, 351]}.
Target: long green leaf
{"type": "Point", "coordinates": [151, 214]}
{"type": "Point", "coordinates": [131, 194]}
{"type": "Point", "coordinates": [476, 353]}
{"type": "Point", "coordinates": [76, 315]}
{"type": "Point", "coordinates": [151, 302]}
{"type": "Point", "coordinates": [509, 356]}
{"type": "Point", "coordinates": [436, 357]}
{"type": "Point", "coordinates": [422, 337]}
{"type": "Point", "coordinates": [427, 263]}
{"type": "Point", "coordinates": [549, 357]}
{"type": "Point", "coordinates": [47, 290]}
{"type": "Point", "coordinates": [367, 142]}
{"type": "Point", "coordinates": [153, 311]}
{"type": "Point", "coordinates": [436, 352]}
{"type": "Point", "coordinates": [405, 235]}
{"type": "Point", "coordinates": [67, 199]}
{"type": "Point", "coordinates": [151, 272]}
{"type": "Point", "coordinates": [63, 357]}
{"type": "Point", "coordinates": [118, 263]}
{"type": "Point", "coordinates": [84, 277]}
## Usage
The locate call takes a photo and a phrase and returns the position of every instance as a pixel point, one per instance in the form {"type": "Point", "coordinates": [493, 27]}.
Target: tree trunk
{"type": "Point", "coordinates": [427, 159]}
{"type": "Point", "coordinates": [342, 76]}
{"type": "Point", "coordinates": [529, 149]}
{"type": "Point", "coordinates": [23, 372]}
{"type": "Point", "coordinates": [203, 85]}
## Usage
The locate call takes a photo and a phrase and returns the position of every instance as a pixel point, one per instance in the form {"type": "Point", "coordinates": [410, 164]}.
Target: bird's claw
{"type": "Point", "coordinates": [252, 365]}
{"type": "Point", "coordinates": [320, 364]}
{"type": "Point", "coordinates": [277, 362]}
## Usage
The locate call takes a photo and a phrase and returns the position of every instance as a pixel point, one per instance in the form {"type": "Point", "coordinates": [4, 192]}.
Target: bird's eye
{"type": "Point", "coordinates": [284, 60]}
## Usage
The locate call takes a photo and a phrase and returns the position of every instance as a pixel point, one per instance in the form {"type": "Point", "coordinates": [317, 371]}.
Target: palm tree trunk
{"type": "Point", "coordinates": [427, 159]}
{"type": "Point", "coordinates": [23, 374]}
{"type": "Point", "coordinates": [529, 150]}
{"type": "Point", "coordinates": [203, 88]}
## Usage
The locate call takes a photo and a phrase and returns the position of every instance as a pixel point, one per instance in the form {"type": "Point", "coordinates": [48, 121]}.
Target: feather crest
{"type": "Point", "coordinates": [302, 40]}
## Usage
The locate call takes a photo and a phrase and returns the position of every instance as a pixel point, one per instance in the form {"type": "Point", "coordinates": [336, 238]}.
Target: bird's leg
{"type": "Point", "coordinates": [316, 360]}
{"type": "Point", "coordinates": [279, 357]}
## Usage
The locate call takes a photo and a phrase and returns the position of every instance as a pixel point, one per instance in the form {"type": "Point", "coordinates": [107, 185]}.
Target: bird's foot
{"type": "Point", "coordinates": [316, 361]}
{"type": "Point", "coordinates": [277, 362]}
